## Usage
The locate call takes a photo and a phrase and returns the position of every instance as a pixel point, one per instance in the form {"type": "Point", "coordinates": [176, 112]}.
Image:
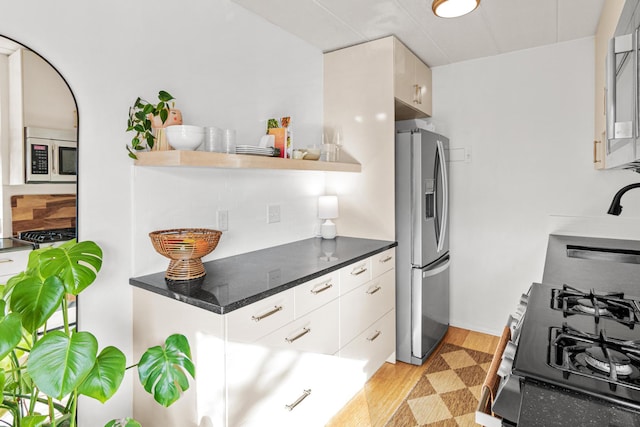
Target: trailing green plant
{"type": "Point", "coordinates": [140, 123]}
{"type": "Point", "coordinates": [46, 367]}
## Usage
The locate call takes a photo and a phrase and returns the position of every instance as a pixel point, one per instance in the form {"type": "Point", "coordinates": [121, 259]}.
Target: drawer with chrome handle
{"type": "Point", "coordinates": [315, 293]}
{"type": "Point", "coordinates": [250, 323]}
{"type": "Point", "coordinates": [383, 262]}
{"type": "Point", "coordinates": [355, 275]}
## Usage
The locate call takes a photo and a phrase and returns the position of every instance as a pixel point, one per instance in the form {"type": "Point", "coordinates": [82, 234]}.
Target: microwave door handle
{"type": "Point", "coordinates": [611, 94]}
{"type": "Point", "coordinates": [54, 160]}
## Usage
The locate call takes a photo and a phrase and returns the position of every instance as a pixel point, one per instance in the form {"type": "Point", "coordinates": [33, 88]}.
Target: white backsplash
{"type": "Point", "coordinates": [166, 198]}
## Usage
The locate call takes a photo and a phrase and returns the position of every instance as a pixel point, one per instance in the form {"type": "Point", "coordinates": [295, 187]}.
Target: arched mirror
{"type": "Point", "coordinates": [38, 151]}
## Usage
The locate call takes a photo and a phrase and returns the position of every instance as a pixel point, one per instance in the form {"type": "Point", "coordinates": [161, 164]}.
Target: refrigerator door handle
{"type": "Point", "coordinates": [434, 272]}
{"type": "Point", "coordinates": [445, 196]}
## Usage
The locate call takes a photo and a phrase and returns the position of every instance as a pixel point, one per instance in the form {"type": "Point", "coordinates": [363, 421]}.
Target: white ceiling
{"type": "Point", "coordinates": [497, 26]}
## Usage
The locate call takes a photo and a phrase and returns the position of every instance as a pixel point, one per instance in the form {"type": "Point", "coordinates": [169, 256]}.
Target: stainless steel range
{"type": "Point", "coordinates": [575, 359]}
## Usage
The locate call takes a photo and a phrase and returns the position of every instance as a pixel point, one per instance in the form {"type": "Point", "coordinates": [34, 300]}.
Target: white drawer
{"type": "Point", "coordinates": [12, 263]}
{"type": "Point", "coordinates": [355, 275]}
{"type": "Point", "coordinates": [384, 261]}
{"type": "Point", "coordinates": [256, 320]}
{"type": "Point", "coordinates": [374, 345]}
{"type": "Point", "coordinates": [265, 384]}
{"type": "Point", "coordinates": [316, 332]}
{"type": "Point", "coordinates": [366, 304]}
{"type": "Point", "coordinates": [316, 293]}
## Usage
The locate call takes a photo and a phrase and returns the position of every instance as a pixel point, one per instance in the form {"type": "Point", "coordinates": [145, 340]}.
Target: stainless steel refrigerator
{"type": "Point", "coordinates": [422, 222]}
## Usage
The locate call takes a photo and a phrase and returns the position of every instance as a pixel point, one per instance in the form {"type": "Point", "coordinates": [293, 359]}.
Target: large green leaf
{"type": "Point", "coordinates": [105, 376]}
{"type": "Point", "coordinates": [77, 265]}
{"type": "Point", "coordinates": [33, 420]}
{"type": "Point", "coordinates": [59, 363]}
{"type": "Point", "coordinates": [162, 370]}
{"type": "Point", "coordinates": [36, 300]}
{"type": "Point", "coordinates": [10, 333]}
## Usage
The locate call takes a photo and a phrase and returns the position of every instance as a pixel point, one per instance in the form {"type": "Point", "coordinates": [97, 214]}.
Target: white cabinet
{"type": "Point", "coordinates": [292, 359]}
{"type": "Point", "coordinates": [12, 263]}
{"type": "Point", "coordinates": [412, 80]}
{"type": "Point", "coordinates": [364, 305]}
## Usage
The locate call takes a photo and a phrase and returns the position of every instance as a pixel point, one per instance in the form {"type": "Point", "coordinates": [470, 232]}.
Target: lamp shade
{"type": "Point", "coordinates": [327, 207]}
{"type": "Point", "coordinates": [453, 8]}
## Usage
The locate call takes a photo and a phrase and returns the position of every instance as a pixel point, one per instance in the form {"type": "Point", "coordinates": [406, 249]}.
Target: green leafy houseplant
{"type": "Point", "coordinates": [44, 371]}
{"type": "Point", "coordinates": [140, 123]}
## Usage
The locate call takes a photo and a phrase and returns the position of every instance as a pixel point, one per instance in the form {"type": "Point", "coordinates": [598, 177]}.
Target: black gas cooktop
{"type": "Point", "coordinates": [48, 236]}
{"type": "Point", "coordinates": [582, 340]}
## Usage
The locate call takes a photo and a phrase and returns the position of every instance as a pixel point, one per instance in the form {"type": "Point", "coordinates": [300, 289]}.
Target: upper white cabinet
{"type": "Point", "coordinates": [611, 10]}
{"type": "Point", "coordinates": [412, 83]}
{"type": "Point", "coordinates": [367, 88]}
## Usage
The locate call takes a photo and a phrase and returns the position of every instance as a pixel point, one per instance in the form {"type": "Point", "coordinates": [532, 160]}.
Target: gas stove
{"type": "Point", "coordinates": [587, 341]}
{"type": "Point", "coordinates": [48, 236]}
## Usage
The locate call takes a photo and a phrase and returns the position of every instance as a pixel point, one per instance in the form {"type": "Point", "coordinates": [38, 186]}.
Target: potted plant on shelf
{"type": "Point", "coordinates": [46, 367]}
{"type": "Point", "coordinates": [145, 117]}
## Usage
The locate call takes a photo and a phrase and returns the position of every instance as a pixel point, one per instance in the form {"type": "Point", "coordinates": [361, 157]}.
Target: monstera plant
{"type": "Point", "coordinates": [47, 366]}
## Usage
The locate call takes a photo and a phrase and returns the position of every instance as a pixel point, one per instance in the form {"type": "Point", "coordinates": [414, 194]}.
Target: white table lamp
{"type": "Point", "coordinates": [327, 210]}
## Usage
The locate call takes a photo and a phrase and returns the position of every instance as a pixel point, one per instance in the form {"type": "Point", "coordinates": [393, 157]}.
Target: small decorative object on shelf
{"type": "Point", "coordinates": [282, 133]}
{"type": "Point", "coordinates": [185, 247]}
{"type": "Point", "coordinates": [145, 117]}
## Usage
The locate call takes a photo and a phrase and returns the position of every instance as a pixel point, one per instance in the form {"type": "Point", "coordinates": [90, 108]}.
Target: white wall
{"type": "Point", "coordinates": [226, 67]}
{"type": "Point", "coordinates": [526, 118]}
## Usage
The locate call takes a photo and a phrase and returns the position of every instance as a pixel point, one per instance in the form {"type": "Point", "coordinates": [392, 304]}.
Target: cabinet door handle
{"type": "Point", "coordinates": [2, 261]}
{"type": "Point", "coordinates": [416, 94]}
{"type": "Point", "coordinates": [304, 332]}
{"type": "Point", "coordinates": [322, 287]}
{"type": "Point", "coordinates": [358, 271]}
{"type": "Point", "coordinates": [387, 259]}
{"type": "Point", "coordinates": [595, 151]}
{"type": "Point", "coordinates": [305, 393]}
{"type": "Point", "coordinates": [374, 290]}
{"type": "Point", "coordinates": [275, 309]}
{"type": "Point", "coordinates": [374, 336]}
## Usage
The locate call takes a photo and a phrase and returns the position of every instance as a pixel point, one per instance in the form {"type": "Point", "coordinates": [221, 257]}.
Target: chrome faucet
{"type": "Point", "coordinates": [615, 207]}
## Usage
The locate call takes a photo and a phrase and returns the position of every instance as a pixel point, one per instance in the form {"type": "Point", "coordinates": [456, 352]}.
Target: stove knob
{"type": "Point", "coordinates": [505, 367]}
{"type": "Point", "coordinates": [510, 350]}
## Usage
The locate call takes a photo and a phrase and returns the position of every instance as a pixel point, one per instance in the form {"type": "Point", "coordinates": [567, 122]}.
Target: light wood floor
{"type": "Point", "coordinates": [374, 405]}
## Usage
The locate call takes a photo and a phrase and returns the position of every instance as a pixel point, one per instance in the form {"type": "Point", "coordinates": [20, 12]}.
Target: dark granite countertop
{"type": "Point", "coordinates": [7, 244]}
{"type": "Point", "coordinates": [548, 406]}
{"type": "Point", "coordinates": [236, 281]}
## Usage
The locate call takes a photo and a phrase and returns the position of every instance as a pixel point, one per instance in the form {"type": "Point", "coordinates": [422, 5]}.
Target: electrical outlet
{"type": "Point", "coordinates": [223, 220]}
{"type": "Point", "coordinates": [273, 214]}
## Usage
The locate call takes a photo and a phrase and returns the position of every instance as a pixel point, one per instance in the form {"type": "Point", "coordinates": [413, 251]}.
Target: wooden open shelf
{"type": "Point", "coordinates": [237, 161]}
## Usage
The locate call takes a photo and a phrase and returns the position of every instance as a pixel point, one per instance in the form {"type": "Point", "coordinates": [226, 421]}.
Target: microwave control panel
{"type": "Point", "coordinates": [39, 159]}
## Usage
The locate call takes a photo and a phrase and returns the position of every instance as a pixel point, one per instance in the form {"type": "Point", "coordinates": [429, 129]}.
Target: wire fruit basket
{"type": "Point", "coordinates": [185, 247]}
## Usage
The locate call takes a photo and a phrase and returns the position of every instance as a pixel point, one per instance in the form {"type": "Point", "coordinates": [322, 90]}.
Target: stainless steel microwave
{"type": "Point", "coordinates": [51, 155]}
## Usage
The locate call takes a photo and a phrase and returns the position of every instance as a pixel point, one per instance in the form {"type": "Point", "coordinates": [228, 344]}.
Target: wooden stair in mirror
{"type": "Point", "coordinates": [237, 161]}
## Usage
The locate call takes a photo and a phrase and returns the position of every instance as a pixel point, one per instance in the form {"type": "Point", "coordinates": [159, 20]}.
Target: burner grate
{"type": "Point", "coordinates": [595, 356]}
{"type": "Point", "coordinates": [611, 305]}
{"type": "Point", "coordinates": [46, 236]}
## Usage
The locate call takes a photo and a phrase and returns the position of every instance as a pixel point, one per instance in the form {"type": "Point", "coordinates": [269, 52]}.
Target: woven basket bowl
{"type": "Point", "coordinates": [184, 247]}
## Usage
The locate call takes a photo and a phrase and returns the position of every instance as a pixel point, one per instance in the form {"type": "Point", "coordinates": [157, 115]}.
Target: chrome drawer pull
{"type": "Point", "coordinates": [376, 335]}
{"type": "Point", "coordinates": [298, 400]}
{"type": "Point", "coordinates": [5, 260]}
{"type": "Point", "coordinates": [387, 259]}
{"type": "Point", "coordinates": [276, 309]}
{"type": "Point", "coordinates": [359, 271]}
{"type": "Point", "coordinates": [326, 285]}
{"type": "Point", "coordinates": [374, 290]}
{"type": "Point", "coordinates": [304, 332]}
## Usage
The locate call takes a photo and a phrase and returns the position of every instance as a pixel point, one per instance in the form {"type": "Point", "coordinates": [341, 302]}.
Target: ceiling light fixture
{"type": "Point", "coordinates": [453, 8]}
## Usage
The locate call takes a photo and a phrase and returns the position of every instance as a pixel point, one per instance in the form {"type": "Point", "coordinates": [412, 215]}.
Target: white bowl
{"type": "Point", "coordinates": [185, 137]}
